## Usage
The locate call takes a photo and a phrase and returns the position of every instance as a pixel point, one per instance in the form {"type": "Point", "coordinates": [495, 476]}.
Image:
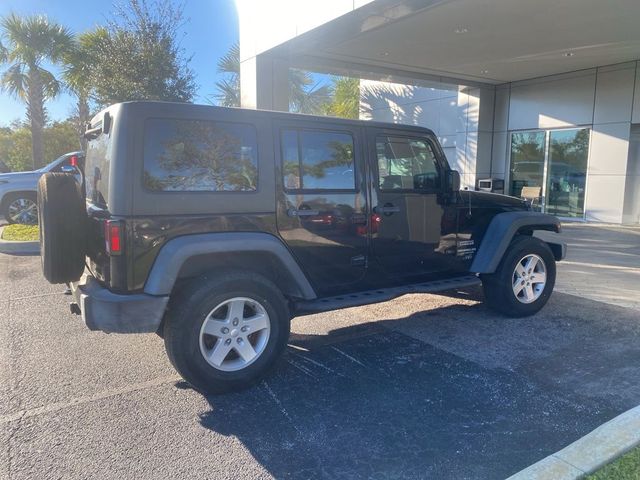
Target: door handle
{"type": "Point", "coordinates": [387, 209]}
{"type": "Point", "coordinates": [294, 212]}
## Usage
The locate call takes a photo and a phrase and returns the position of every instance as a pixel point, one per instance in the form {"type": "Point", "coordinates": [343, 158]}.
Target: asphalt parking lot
{"type": "Point", "coordinates": [426, 386]}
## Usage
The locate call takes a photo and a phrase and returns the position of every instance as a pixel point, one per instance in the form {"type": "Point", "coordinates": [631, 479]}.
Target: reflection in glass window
{"type": "Point", "coordinates": [315, 160]}
{"type": "Point", "coordinates": [566, 177]}
{"type": "Point", "coordinates": [527, 161]}
{"type": "Point", "coordinates": [406, 164]}
{"type": "Point", "coordinates": [290, 160]}
{"type": "Point", "coordinates": [197, 156]}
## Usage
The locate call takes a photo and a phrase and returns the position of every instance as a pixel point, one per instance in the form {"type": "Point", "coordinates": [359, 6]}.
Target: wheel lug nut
{"type": "Point", "coordinates": [239, 340]}
{"type": "Point", "coordinates": [225, 330]}
{"type": "Point", "coordinates": [245, 328]}
{"type": "Point", "coordinates": [227, 341]}
{"type": "Point", "coordinates": [235, 321]}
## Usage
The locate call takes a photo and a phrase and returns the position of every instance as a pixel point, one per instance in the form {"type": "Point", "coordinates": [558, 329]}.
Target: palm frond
{"type": "Point", "coordinates": [14, 81]}
{"type": "Point", "coordinates": [50, 85]}
{"type": "Point", "coordinates": [230, 61]}
{"type": "Point", "coordinates": [228, 93]}
{"type": "Point", "coordinates": [3, 53]}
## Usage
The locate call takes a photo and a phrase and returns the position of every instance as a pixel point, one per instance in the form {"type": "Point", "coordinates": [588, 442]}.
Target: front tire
{"type": "Point", "coordinates": [524, 279]}
{"type": "Point", "coordinates": [223, 334]}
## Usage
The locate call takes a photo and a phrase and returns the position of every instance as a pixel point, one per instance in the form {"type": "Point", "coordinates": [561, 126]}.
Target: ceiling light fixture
{"type": "Point", "coordinates": [461, 30]}
{"type": "Point", "coordinates": [484, 72]}
{"type": "Point", "coordinates": [568, 54]}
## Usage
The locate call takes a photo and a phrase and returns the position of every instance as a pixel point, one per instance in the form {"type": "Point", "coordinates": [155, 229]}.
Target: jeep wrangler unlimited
{"type": "Point", "coordinates": [213, 227]}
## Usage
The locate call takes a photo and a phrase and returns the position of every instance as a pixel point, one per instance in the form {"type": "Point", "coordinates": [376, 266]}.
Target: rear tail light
{"type": "Point", "coordinates": [73, 161]}
{"type": "Point", "coordinates": [113, 236]}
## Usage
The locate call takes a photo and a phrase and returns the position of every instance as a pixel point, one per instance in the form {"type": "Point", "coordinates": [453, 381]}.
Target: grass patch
{"type": "Point", "coordinates": [21, 233]}
{"type": "Point", "coordinates": [626, 467]}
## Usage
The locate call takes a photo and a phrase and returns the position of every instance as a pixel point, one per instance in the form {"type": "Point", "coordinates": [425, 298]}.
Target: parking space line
{"type": "Point", "coordinates": [54, 407]}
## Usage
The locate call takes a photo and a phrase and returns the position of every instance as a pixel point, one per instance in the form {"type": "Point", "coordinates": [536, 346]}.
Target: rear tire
{"type": "Point", "coordinates": [524, 279]}
{"type": "Point", "coordinates": [63, 227]}
{"type": "Point", "coordinates": [224, 333]}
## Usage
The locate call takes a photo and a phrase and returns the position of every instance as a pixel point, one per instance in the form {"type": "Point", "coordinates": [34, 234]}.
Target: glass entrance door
{"type": "Point", "coordinates": [527, 161]}
{"type": "Point", "coordinates": [556, 162]}
{"type": "Point", "coordinates": [567, 172]}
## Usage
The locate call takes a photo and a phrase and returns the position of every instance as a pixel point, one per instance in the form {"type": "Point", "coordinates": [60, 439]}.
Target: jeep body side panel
{"type": "Point", "coordinates": [150, 233]}
{"type": "Point", "coordinates": [322, 214]}
{"type": "Point", "coordinates": [415, 225]}
{"type": "Point", "coordinates": [175, 254]}
{"type": "Point", "coordinates": [501, 231]}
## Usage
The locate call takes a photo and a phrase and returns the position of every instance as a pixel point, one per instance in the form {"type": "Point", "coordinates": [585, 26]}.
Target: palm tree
{"type": "Point", "coordinates": [31, 42]}
{"type": "Point", "coordinates": [229, 88]}
{"type": "Point", "coordinates": [77, 75]}
{"type": "Point", "coordinates": [305, 95]}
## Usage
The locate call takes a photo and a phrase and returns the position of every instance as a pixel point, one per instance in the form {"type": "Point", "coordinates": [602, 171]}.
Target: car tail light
{"type": "Point", "coordinates": [73, 161]}
{"type": "Point", "coordinates": [113, 236]}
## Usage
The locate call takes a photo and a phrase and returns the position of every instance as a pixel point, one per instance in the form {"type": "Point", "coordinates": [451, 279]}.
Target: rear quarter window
{"type": "Point", "coordinates": [199, 156]}
{"type": "Point", "coordinates": [97, 163]}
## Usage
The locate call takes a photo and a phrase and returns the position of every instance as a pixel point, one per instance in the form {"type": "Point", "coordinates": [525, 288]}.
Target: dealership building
{"type": "Point", "coordinates": [542, 94]}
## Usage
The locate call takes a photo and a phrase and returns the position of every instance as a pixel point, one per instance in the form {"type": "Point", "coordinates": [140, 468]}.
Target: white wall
{"type": "Point", "coordinates": [601, 98]}
{"type": "Point", "coordinates": [452, 112]}
{"type": "Point", "coordinates": [267, 23]}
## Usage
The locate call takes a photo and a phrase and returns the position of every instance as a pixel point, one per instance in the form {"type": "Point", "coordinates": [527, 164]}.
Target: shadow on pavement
{"type": "Point", "coordinates": [371, 402]}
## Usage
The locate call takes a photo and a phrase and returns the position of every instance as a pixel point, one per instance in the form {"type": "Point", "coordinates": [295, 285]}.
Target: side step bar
{"type": "Point", "coordinates": [382, 295]}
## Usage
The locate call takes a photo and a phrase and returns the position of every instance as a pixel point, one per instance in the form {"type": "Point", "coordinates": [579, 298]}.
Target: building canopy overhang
{"type": "Point", "coordinates": [469, 41]}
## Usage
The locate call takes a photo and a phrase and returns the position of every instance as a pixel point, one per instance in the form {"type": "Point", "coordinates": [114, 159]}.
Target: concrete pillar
{"type": "Point", "coordinates": [475, 139]}
{"type": "Point", "coordinates": [264, 83]}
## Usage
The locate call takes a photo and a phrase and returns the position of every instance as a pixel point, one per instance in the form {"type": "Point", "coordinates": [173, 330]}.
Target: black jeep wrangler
{"type": "Point", "coordinates": [213, 227]}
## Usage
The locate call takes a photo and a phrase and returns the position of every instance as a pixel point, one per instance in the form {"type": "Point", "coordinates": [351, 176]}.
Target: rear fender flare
{"type": "Point", "coordinates": [173, 255]}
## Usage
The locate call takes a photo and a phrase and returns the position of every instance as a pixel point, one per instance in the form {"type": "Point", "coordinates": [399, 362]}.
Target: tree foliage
{"type": "Point", "coordinates": [305, 95]}
{"type": "Point", "coordinates": [136, 56]}
{"type": "Point", "coordinates": [29, 43]}
{"type": "Point", "coordinates": [346, 98]}
{"type": "Point", "coordinates": [15, 144]}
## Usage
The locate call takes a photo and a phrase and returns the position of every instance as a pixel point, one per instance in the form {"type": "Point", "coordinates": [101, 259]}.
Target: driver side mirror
{"type": "Point", "coordinates": [453, 181]}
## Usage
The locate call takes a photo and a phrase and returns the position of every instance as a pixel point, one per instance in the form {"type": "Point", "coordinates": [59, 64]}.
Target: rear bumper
{"type": "Point", "coordinates": [110, 312]}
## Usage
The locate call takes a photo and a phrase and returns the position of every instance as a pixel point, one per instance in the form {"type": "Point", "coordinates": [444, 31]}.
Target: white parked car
{"type": "Point", "coordinates": [18, 189]}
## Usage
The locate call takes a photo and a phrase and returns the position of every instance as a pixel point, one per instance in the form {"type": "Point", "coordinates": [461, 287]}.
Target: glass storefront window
{"type": "Point", "coordinates": [527, 161]}
{"type": "Point", "coordinates": [567, 173]}
{"type": "Point", "coordinates": [555, 161]}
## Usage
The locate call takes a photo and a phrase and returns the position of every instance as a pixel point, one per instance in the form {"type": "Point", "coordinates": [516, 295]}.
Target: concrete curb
{"type": "Point", "coordinates": [606, 443]}
{"type": "Point", "coordinates": [18, 248]}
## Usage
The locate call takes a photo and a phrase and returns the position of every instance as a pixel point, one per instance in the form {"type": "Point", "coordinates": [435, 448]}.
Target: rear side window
{"type": "Point", "coordinates": [317, 160]}
{"type": "Point", "coordinates": [406, 164]}
{"type": "Point", "coordinates": [200, 156]}
{"type": "Point", "coordinates": [96, 170]}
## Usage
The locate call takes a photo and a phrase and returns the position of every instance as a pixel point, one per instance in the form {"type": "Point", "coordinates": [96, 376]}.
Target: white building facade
{"type": "Point", "coordinates": [533, 93]}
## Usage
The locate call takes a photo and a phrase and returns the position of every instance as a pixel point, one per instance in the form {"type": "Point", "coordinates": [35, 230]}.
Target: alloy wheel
{"type": "Point", "coordinates": [529, 278]}
{"type": "Point", "coordinates": [23, 210]}
{"type": "Point", "coordinates": [234, 334]}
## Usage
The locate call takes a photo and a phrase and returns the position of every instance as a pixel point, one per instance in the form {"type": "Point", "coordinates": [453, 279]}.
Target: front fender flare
{"type": "Point", "coordinates": [501, 231]}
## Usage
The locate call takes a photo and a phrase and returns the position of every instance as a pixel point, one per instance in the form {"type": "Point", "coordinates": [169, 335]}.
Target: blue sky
{"type": "Point", "coordinates": [211, 28]}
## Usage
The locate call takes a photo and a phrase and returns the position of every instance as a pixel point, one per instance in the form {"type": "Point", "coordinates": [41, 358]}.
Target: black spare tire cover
{"type": "Point", "coordinates": [63, 227]}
